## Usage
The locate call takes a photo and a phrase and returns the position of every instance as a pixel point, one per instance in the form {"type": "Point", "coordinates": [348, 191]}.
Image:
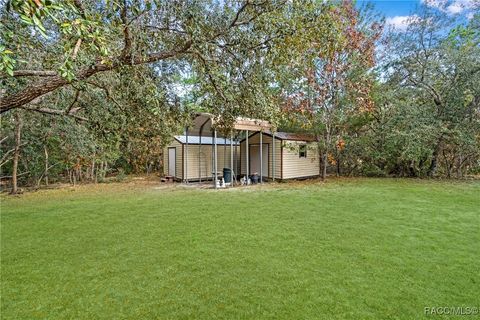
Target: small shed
{"type": "Point", "coordinates": [296, 154]}
{"type": "Point", "coordinates": [191, 157]}
{"type": "Point", "coordinates": [194, 164]}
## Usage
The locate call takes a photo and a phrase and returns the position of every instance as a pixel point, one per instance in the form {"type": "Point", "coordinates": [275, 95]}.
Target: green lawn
{"type": "Point", "coordinates": [347, 249]}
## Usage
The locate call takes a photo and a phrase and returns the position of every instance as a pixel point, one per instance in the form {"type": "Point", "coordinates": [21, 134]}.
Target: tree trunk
{"type": "Point", "coordinates": [46, 164]}
{"type": "Point", "coordinates": [94, 178]}
{"type": "Point", "coordinates": [16, 154]}
{"type": "Point", "coordinates": [411, 169]}
{"type": "Point", "coordinates": [325, 154]}
{"type": "Point", "coordinates": [338, 164]}
{"type": "Point", "coordinates": [433, 165]}
{"type": "Point", "coordinates": [324, 164]}
{"type": "Point", "coordinates": [459, 167]}
{"type": "Point", "coordinates": [101, 172]}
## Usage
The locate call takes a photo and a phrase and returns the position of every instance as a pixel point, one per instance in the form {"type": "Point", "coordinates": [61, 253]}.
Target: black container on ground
{"type": "Point", "coordinates": [227, 175]}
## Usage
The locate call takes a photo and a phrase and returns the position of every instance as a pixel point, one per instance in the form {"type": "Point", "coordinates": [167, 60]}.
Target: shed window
{"type": "Point", "coordinates": [302, 153]}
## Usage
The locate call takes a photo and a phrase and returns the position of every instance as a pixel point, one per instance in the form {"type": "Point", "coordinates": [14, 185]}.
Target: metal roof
{"type": "Point", "coordinates": [287, 136]}
{"type": "Point", "coordinates": [205, 140]}
{"type": "Point", "coordinates": [294, 136]}
{"type": "Point", "coordinates": [203, 124]}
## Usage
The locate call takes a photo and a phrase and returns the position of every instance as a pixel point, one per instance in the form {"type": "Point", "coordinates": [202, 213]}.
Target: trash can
{"type": "Point", "coordinates": [227, 175]}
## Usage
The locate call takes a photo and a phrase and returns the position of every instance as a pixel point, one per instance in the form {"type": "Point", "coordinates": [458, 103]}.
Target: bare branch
{"type": "Point", "coordinates": [56, 112]}
{"type": "Point", "coordinates": [107, 92]}
{"type": "Point", "coordinates": [166, 29]}
{"type": "Point", "coordinates": [239, 12]}
{"type": "Point", "coordinates": [77, 47]}
{"type": "Point", "coordinates": [32, 73]}
{"type": "Point", "coordinates": [5, 156]}
{"type": "Point", "coordinates": [69, 109]}
{"type": "Point", "coordinates": [79, 5]}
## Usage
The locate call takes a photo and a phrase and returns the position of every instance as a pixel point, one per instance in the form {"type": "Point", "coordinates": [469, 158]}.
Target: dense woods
{"type": "Point", "coordinates": [92, 89]}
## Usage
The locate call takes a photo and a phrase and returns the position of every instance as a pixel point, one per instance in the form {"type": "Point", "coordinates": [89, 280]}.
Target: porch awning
{"type": "Point", "coordinates": [203, 123]}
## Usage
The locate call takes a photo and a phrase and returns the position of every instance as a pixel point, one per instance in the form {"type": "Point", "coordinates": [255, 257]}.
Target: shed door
{"type": "Point", "coordinates": [254, 156]}
{"type": "Point", "coordinates": [171, 161]}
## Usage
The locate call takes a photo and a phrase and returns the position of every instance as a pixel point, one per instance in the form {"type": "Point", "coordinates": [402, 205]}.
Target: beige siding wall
{"type": "Point", "coordinates": [296, 167]}
{"type": "Point", "coordinates": [198, 169]}
{"type": "Point", "coordinates": [265, 139]}
{"type": "Point", "coordinates": [200, 162]}
{"type": "Point", "coordinates": [178, 161]}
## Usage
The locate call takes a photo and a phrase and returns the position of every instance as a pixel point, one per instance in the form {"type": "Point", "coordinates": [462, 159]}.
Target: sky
{"type": "Point", "coordinates": [392, 8]}
{"type": "Point", "coordinates": [399, 12]}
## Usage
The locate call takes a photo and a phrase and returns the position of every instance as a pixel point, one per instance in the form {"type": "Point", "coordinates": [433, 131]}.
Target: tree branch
{"type": "Point", "coordinates": [79, 5]}
{"type": "Point", "coordinates": [39, 88]}
{"type": "Point", "coordinates": [166, 29]}
{"type": "Point", "coordinates": [55, 112]}
{"type": "Point", "coordinates": [69, 109]}
{"type": "Point", "coordinates": [53, 81]}
{"type": "Point", "coordinates": [5, 156]}
{"type": "Point", "coordinates": [32, 73]}
{"type": "Point", "coordinates": [239, 12]}
{"type": "Point", "coordinates": [107, 93]}
{"type": "Point", "coordinates": [127, 46]}
{"type": "Point", "coordinates": [76, 48]}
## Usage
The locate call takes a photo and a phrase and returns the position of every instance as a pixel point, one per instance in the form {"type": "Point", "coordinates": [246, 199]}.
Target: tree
{"type": "Point", "coordinates": [335, 81]}
{"type": "Point", "coordinates": [75, 40]}
{"type": "Point", "coordinates": [438, 66]}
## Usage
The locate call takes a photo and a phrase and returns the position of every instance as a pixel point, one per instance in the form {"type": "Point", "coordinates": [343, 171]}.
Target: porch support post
{"type": "Point", "coordinates": [199, 157]}
{"type": "Point", "coordinates": [200, 153]}
{"type": "Point", "coordinates": [231, 160]}
{"type": "Point", "coordinates": [246, 162]}
{"type": "Point", "coordinates": [236, 160]}
{"type": "Point", "coordinates": [215, 157]}
{"type": "Point", "coordinates": [261, 156]}
{"type": "Point", "coordinates": [273, 156]}
{"type": "Point", "coordinates": [186, 155]}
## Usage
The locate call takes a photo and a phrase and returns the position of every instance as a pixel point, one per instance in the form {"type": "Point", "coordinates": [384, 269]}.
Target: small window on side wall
{"type": "Point", "coordinates": [302, 152]}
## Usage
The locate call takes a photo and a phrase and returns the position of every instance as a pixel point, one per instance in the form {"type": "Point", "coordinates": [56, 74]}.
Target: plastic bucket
{"type": "Point", "coordinates": [227, 175]}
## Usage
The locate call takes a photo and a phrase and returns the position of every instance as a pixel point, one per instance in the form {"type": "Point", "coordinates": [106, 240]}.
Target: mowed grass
{"type": "Point", "coordinates": [345, 249]}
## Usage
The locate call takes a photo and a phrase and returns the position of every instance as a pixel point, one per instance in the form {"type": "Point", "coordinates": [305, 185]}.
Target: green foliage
{"type": "Point", "coordinates": [425, 120]}
{"type": "Point", "coordinates": [121, 176]}
{"type": "Point", "coordinates": [7, 63]}
{"type": "Point", "coordinates": [307, 66]}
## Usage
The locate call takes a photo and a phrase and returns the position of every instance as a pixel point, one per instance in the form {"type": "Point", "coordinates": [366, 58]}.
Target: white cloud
{"type": "Point", "coordinates": [453, 7]}
{"type": "Point", "coordinates": [401, 23]}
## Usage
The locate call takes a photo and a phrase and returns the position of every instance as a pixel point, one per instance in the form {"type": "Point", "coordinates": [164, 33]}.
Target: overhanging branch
{"type": "Point", "coordinates": [44, 86]}
{"type": "Point", "coordinates": [32, 73]}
